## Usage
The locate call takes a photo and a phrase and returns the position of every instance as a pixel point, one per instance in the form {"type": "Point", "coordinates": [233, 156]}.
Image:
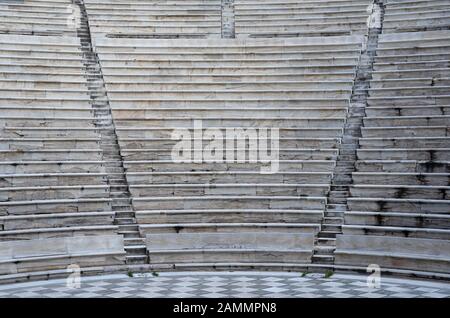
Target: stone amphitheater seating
{"type": "Point", "coordinates": [229, 249]}
{"type": "Point", "coordinates": [394, 252]}
{"type": "Point", "coordinates": [401, 185]}
{"type": "Point", "coordinates": [165, 66]}
{"type": "Point", "coordinates": [53, 185]}
{"type": "Point", "coordinates": [155, 19]}
{"type": "Point", "coordinates": [291, 18]}
{"type": "Point", "coordinates": [36, 17]}
{"type": "Point", "coordinates": [155, 86]}
{"type": "Point", "coordinates": [416, 15]}
{"type": "Point", "coordinates": [58, 253]}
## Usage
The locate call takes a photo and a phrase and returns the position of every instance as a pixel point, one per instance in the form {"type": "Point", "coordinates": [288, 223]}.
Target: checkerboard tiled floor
{"type": "Point", "coordinates": [218, 285]}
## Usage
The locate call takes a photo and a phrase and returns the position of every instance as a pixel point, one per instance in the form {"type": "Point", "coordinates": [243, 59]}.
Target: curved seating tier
{"type": "Point", "coordinates": [294, 18]}
{"type": "Point", "coordinates": [416, 15]}
{"type": "Point", "coordinates": [39, 17]}
{"type": "Point", "coordinates": [292, 67]}
{"type": "Point", "coordinates": [399, 201]}
{"type": "Point", "coordinates": [156, 86]}
{"type": "Point", "coordinates": [155, 19]}
{"type": "Point", "coordinates": [53, 185]}
{"type": "Point", "coordinates": [229, 249]}
{"type": "Point", "coordinates": [407, 254]}
{"type": "Point", "coordinates": [61, 253]}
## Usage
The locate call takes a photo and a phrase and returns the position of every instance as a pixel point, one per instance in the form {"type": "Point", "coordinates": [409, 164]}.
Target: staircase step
{"type": "Point", "coordinates": [323, 249]}
{"type": "Point", "coordinates": [133, 227]}
{"type": "Point", "coordinates": [137, 259]}
{"type": "Point", "coordinates": [339, 194]}
{"type": "Point", "coordinates": [118, 188]}
{"type": "Point", "coordinates": [129, 234]}
{"type": "Point", "coordinates": [135, 250]}
{"type": "Point", "coordinates": [326, 241]}
{"type": "Point", "coordinates": [117, 181]}
{"type": "Point", "coordinates": [323, 259]}
{"type": "Point", "coordinates": [124, 214]}
{"type": "Point", "coordinates": [336, 207]}
{"type": "Point", "coordinates": [328, 234]}
{"type": "Point", "coordinates": [332, 220]}
{"type": "Point", "coordinates": [337, 214]}
{"type": "Point", "coordinates": [123, 221]}
{"type": "Point", "coordinates": [331, 227]}
{"type": "Point", "coordinates": [133, 241]}
{"type": "Point", "coordinates": [118, 194]}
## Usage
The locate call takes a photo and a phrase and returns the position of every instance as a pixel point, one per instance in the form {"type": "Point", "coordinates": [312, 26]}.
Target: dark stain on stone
{"type": "Point", "coordinates": [379, 219]}
{"type": "Point", "coordinates": [400, 193]}
{"type": "Point", "coordinates": [381, 205]}
{"type": "Point", "coordinates": [421, 179]}
{"type": "Point", "coordinates": [178, 228]}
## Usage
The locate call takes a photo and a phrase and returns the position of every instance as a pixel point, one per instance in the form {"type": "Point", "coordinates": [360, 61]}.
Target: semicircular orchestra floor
{"type": "Point", "coordinates": [228, 284]}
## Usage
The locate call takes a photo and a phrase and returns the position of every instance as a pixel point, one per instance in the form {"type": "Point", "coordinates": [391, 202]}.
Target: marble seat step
{"type": "Point", "coordinates": [401, 178]}
{"type": "Point", "coordinates": [395, 231]}
{"type": "Point", "coordinates": [275, 189]}
{"type": "Point", "coordinates": [400, 205]}
{"type": "Point", "coordinates": [209, 216]}
{"type": "Point", "coordinates": [284, 154]}
{"type": "Point", "coordinates": [232, 227]}
{"type": "Point", "coordinates": [218, 201]}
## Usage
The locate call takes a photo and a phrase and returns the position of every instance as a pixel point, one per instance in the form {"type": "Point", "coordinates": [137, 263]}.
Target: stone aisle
{"type": "Point", "coordinates": [120, 194]}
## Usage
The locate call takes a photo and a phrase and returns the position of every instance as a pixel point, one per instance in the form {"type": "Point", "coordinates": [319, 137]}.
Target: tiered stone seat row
{"type": "Point", "coordinates": [401, 187]}
{"type": "Point", "coordinates": [292, 18]}
{"type": "Point", "coordinates": [416, 15]}
{"type": "Point", "coordinates": [299, 86]}
{"type": "Point", "coordinates": [38, 17]}
{"type": "Point", "coordinates": [155, 19]}
{"type": "Point", "coordinates": [52, 179]}
{"type": "Point", "coordinates": [222, 249]}
{"type": "Point", "coordinates": [64, 254]}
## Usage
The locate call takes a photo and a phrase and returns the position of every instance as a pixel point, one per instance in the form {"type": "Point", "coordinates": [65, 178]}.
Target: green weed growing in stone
{"type": "Point", "coordinates": [328, 274]}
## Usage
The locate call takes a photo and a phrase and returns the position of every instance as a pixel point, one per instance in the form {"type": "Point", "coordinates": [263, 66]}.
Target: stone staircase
{"type": "Point", "coordinates": [336, 206]}
{"type": "Point", "coordinates": [228, 19]}
{"type": "Point", "coordinates": [119, 192]}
